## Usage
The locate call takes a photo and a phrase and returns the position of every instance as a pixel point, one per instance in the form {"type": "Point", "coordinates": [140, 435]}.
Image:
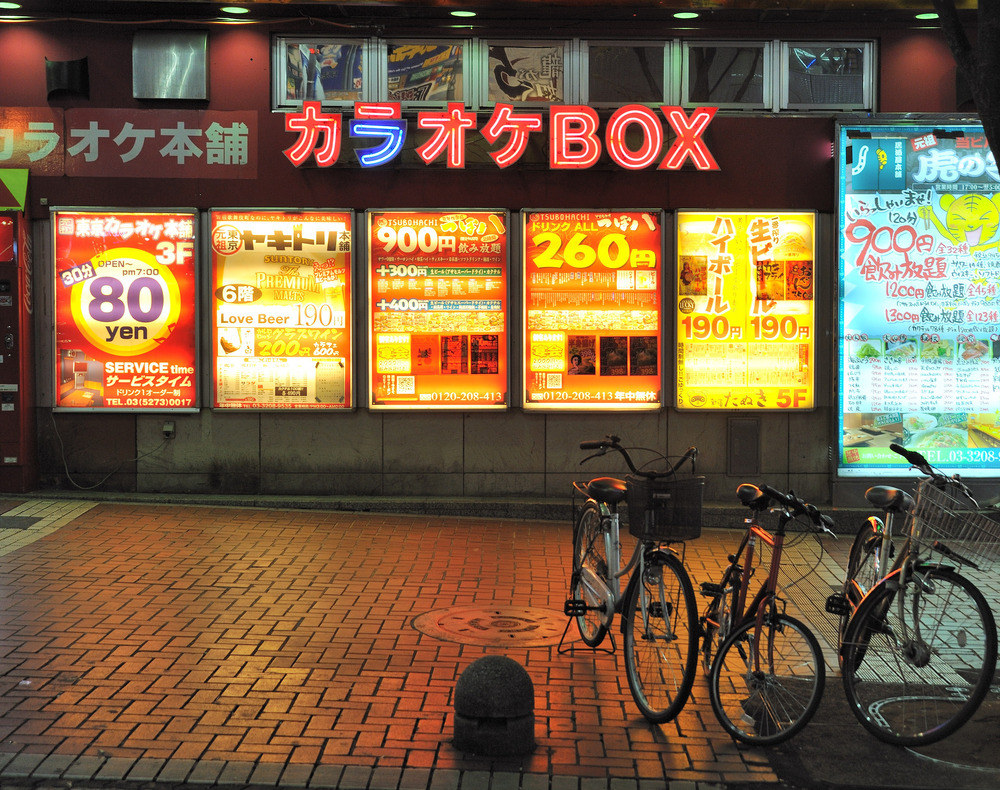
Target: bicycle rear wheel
{"type": "Point", "coordinates": [763, 693]}
{"type": "Point", "coordinates": [590, 551]}
{"type": "Point", "coordinates": [661, 638]}
{"type": "Point", "coordinates": [914, 675]}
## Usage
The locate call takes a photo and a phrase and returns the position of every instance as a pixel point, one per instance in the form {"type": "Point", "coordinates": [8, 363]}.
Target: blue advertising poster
{"type": "Point", "coordinates": [919, 279]}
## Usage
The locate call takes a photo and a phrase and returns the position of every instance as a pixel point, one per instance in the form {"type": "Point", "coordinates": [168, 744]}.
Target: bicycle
{"type": "Point", "coordinates": [766, 671]}
{"type": "Point", "coordinates": [658, 611]}
{"type": "Point", "coordinates": [920, 647]}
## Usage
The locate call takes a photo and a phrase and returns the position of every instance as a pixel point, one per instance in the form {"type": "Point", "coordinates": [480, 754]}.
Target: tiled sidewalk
{"type": "Point", "coordinates": [231, 646]}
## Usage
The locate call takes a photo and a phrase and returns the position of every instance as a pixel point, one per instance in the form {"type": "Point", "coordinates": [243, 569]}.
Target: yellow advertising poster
{"type": "Point", "coordinates": [593, 297]}
{"type": "Point", "coordinates": [745, 310]}
{"type": "Point", "coordinates": [282, 322]}
{"type": "Point", "coordinates": [438, 305]}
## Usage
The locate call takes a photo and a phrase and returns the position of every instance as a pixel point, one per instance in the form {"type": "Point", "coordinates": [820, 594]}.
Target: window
{"type": "Point", "coordinates": [328, 70]}
{"type": "Point", "coordinates": [533, 72]}
{"type": "Point", "coordinates": [625, 73]}
{"type": "Point", "coordinates": [827, 75]}
{"type": "Point", "coordinates": [727, 74]}
{"type": "Point", "coordinates": [425, 72]}
{"type": "Point", "coordinates": [732, 74]}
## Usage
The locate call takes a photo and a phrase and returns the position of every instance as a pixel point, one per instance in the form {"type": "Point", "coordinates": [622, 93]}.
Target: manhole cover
{"type": "Point", "coordinates": [493, 626]}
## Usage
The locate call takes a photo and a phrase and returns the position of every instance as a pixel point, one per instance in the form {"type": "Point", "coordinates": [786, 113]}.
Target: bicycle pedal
{"type": "Point", "coordinates": [575, 607]}
{"type": "Point", "coordinates": [710, 589]}
{"type": "Point", "coordinates": [837, 604]}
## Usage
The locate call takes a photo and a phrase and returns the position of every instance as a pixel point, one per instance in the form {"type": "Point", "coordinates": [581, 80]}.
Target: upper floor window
{"type": "Point", "coordinates": [625, 73]}
{"type": "Point", "coordinates": [317, 69]}
{"type": "Point", "coordinates": [732, 74]}
{"type": "Point", "coordinates": [727, 74]}
{"type": "Point", "coordinates": [418, 72]}
{"type": "Point", "coordinates": [526, 72]}
{"type": "Point", "coordinates": [825, 75]}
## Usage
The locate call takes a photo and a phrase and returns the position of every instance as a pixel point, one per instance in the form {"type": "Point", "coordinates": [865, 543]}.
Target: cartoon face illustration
{"type": "Point", "coordinates": [970, 218]}
{"type": "Point", "coordinates": [974, 218]}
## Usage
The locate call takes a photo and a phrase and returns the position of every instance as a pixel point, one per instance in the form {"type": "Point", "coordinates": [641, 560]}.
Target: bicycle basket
{"type": "Point", "coordinates": [664, 510]}
{"type": "Point", "coordinates": [947, 515]}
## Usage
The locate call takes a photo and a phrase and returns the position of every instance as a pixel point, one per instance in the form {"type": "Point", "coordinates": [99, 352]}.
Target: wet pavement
{"type": "Point", "coordinates": [157, 645]}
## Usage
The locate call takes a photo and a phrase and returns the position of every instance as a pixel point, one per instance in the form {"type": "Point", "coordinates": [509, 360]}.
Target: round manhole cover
{"type": "Point", "coordinates": [493, 626]}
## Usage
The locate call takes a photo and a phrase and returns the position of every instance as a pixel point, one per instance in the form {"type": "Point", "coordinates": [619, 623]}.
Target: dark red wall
{"type": "Point", "coordinates": [765, 161]}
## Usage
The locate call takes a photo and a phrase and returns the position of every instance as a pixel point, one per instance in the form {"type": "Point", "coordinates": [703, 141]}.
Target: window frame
{"type": "Point", "coordinates": [571, 70]}
{"type": "Point", "coordinates": [868, 75]}
{"type": "Point", "coordinates": [279, 69]}
{"type": "Point", "coordinates": [667, 46]}
{"type": "Point", "coordinates": [469, 56]}
{"type": "Point", "coordinates": [767, 75]}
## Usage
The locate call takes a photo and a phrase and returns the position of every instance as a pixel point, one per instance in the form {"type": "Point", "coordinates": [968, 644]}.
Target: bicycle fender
{"type": "Point", "coordinates": [654, 557]}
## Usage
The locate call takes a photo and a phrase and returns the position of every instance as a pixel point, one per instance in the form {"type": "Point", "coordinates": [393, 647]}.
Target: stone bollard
{"type": "Point", "coordinates": [494, 708]}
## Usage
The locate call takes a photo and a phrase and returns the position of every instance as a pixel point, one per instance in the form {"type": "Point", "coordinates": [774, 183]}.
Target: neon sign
{"type": "Point", "coordinates": [574, 135]}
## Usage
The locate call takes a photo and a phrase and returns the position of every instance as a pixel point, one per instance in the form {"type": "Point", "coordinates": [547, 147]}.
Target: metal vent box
{"type": "Point", "coordinates": [170, 64]}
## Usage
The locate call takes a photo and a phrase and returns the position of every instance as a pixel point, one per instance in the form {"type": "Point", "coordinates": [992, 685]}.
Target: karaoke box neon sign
{"type": "Point", "coordinates": [574, 137]}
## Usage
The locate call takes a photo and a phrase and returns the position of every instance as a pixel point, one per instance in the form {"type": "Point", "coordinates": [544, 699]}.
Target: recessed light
{"type": "Point", "coordinates": [463, 13]}
{"type": "Point", "coordinates": [928, 15]}
{"type": "Point", "coordinates": [234, 9]}
{"type": "Point", "coordinates": [686, 15]}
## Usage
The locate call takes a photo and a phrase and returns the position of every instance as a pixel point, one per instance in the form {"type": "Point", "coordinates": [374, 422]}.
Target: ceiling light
{"type": "Point", "coordinates": [928, 15]}
{"type": "Point", "coordinates": [463, 13]}
{"type": "Point", "coordinates": [686, 15]}
{"type": "Point", "coordinates": [10, 6]}
{"type": "Point", "coordinates": [234, 9]}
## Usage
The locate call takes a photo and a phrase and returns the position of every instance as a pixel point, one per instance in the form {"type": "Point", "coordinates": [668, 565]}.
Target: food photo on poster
{"type": "Point", "coordinates": [592, 295]}
{"type": "Point", "coordinates": [919, 279]}
{"type": "Point", "coordinates": [437, 286]}
{"type": "Point", "coordinates": [125, 310]}
{"type": "Point", "coordinates": [281, 288]}
{"type": "Point", "coordinates": [745, 310]}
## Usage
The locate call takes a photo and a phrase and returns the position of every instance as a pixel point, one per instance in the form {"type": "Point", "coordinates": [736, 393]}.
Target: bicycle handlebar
{"type": "Point", "coordinates": [800, 507]}
{"type": "Point", "coordinates": [612, 442]}
{"type": "Point", "coordinates": [917, 461]}
{"type": "Point", "coordinates": [914, 458]}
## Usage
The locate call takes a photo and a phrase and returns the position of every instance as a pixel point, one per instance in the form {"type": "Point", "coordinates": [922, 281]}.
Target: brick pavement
{"type": "Point", "coordinates": [228, 646]}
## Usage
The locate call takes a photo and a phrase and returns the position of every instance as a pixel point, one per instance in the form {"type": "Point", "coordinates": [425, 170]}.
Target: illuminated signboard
{"type": "Point", "coordinates": [745, 310]}
{"type": "Point", "coordinates": [919, 276]}
{"type": "Point", "coordinates": [281, 292]}
{"type": "Point", "coordinates": [437, 283]}
{"type": "Point", "coordinates": [634, 137]}
{"type": "Point", "coordinates": [125, 310]}
{"type": "Point", "coordinates": [592, 309]}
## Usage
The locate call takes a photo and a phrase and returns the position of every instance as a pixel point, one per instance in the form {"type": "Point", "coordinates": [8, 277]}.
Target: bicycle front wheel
{"type": "Point", "coordinates": [766, 683]}
{"type": "Point", "coordinates": [661, 637]}
{"type": "Point", "coordinates": [914, 674]}
{"type": "Point", "coordinates": [590, 551]}
{"type": "Point", "coordinates": [863, 571]}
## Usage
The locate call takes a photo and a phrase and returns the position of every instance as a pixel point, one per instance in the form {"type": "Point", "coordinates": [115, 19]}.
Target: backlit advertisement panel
{"type": "Point", "coordinates": [281, 295]}
{"type": "Point", "coordinates": [125, 310]}
{"type": "Point", "coordinates": [745, 310]}
{"type": "Point", "coordinates": [437, 286]}
{"type": "Point", "coordinates": [919, 279]}
{"type": "Point", "coordinates": [592, 309]}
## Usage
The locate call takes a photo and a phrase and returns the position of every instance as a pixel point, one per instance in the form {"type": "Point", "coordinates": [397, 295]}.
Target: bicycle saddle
{"type": "Point", "coordinates": [752, 497]}
{"type": "Point", "coordinates": [889, 498]}
{"type": "Point", "coordinates": [609, 490]}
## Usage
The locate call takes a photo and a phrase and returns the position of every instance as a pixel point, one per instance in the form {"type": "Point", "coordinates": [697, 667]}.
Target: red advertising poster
{"type": "Point", "coordinates": [125, 310]}
{"type": "Point", "coordinates": [437, 284]}
{"type": "Point", "coordinates": [592, 309]}
{"type": "Point", "coordinates": [281, 295]}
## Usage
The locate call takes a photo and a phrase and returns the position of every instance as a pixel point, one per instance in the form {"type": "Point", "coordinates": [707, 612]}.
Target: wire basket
{"type": "Point", "coordinates": [948, 516]}
{"type": "Point", "coordinates": [664, 510]}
